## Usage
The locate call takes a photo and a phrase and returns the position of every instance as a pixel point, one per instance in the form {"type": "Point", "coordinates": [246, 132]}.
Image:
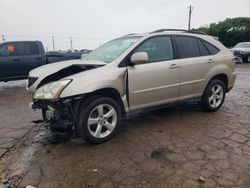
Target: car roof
{"type": "Point", "coordinates": [21, 41]}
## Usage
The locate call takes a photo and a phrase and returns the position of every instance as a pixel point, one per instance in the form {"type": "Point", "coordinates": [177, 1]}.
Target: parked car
{"type": "Point", "coordinates": [54, 56]}
{"type": "Point", "coordinates": [242, 52]}
{"type": "Point", "coordinates": [136, 71]}
{"type": "Point", "coordinates": [17, 58]}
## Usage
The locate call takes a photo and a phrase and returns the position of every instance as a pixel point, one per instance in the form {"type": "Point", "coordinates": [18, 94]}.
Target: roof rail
{"type": "Point", "coordinates": [180, 30]}
{"type": "Point", "coordinates": [130, 34]}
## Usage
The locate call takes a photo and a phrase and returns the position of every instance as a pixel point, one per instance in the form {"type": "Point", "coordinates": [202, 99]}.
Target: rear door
{"type": "Point", "coordinates": [158, 81]}
{"type": "Point", "coordinates": [33, 56]}
{"type": "Point", "coordinates": [11, 61]}
{"type": "Point", "coordinates": [196, 60]}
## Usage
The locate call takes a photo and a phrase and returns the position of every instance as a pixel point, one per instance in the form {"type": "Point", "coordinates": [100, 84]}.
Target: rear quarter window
{"type": "Point", "coordinates": [212, 49]}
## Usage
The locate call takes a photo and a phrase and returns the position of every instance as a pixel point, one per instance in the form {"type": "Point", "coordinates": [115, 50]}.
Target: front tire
{"type": "Point", "coordinates": [99, 119]}
{"type": "Point", "coordinates": [213, 96]}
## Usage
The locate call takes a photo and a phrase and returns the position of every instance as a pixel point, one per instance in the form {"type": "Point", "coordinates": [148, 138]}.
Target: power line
{"type": "Point", "coordinates": [189, 16]}
{"type": "Point", "coordinates": [49, 36]}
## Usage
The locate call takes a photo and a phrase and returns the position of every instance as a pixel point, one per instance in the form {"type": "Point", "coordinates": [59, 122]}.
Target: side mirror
{"type": "Point", "coordinates": [139, 58]}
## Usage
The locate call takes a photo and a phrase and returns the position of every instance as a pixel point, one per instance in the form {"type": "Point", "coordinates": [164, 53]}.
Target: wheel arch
{"type": "Point", "coordinates": [223, 77]}
{"type": "Point", "coordinates": [107, 92]}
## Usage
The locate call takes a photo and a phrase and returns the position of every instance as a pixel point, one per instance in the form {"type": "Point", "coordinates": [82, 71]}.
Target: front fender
{"type": "Point", "coordinates": [90, 83]}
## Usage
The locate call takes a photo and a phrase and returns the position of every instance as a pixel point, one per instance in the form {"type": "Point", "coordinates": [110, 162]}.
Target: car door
{"type": "Point", "coordinates": [33, 57]}
{"type": "Point", "coordinates": [196, 60]}
{"type": "Point", "coordinates": [10, 61]}
{"type": "Point", "coordinates": [158, 81]}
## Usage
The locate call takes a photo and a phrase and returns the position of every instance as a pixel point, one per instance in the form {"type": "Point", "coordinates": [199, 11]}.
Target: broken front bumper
{"type": "Point", "coordinates": [60, 115]}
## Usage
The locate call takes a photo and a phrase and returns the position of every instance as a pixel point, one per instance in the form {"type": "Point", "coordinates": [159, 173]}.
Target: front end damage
{"type": "Point", "coordinates": [60, 116]}
{"type": "Point", "coordinates": [59, 113]}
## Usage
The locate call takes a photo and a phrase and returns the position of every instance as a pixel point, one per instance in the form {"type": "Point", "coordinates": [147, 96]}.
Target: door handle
{"type": "Point", "coordinates": [174, 66]}
{"type": "Point", "coordinates": [39, 58]}
{"type": "Point", "coordinates": [16, 59]}
{"type": "Point", "coordinates": [210, 61]}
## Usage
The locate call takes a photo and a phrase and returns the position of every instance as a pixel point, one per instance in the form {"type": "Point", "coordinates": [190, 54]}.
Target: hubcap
{"type": "Point", "coordinates": [102, 121]}
{"type": "Point", "coordinates": [216, 96]}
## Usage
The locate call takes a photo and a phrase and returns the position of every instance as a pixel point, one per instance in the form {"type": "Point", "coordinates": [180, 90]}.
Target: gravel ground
{"type": "Point", "coordinates": [15, 114]}
{"type": "Point", "coordinates": [172, 147]}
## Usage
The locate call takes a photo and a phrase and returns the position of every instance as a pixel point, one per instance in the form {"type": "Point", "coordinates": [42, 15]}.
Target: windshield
{"type": "Point", "coordinates": [110, 51]}
{"type": "Point", "coordinates": [243, 45]}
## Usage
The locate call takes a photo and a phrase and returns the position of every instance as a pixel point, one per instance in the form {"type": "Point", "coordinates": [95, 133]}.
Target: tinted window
{"type": "Point", "coordinates": [158, 49]}
{"type": "Point", "coordinates": [30, 48]}
{"type": "Point", "coordinates": [213, 50]}
{"type": "Point", "coordinates": [10, 49]}
{"type": "Point", "coordinates": [187, 47]}
{"type": "Point", "coordinates": [203, 49]}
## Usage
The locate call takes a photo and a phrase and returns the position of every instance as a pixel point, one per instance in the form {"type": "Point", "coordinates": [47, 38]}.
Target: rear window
{"type": "Point", "coordinates": [187, 47]}
{"type": "Point", "coordinates": [30, 48]}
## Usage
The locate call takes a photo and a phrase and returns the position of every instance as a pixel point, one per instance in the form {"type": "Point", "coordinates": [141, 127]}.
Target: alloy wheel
{"type": "Point", "coordinates": [102, 121]}
{"type": "Point", "coordinates": [216, 96]}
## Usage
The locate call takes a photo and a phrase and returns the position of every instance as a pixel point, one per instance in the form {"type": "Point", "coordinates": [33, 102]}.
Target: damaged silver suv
{"type": "Point", "coordinates": [136, 71]}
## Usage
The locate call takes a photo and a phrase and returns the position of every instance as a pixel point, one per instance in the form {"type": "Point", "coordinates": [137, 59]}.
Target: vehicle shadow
{"type": "Point", "coordinates": [140, 120]}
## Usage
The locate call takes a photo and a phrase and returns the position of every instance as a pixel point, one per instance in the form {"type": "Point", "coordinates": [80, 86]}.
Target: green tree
{"type": "Point", "coordinates": [230, 31]}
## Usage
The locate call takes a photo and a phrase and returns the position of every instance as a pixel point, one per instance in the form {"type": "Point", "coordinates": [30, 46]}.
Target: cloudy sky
{"type": "Point", "coordinates": [93, 22]}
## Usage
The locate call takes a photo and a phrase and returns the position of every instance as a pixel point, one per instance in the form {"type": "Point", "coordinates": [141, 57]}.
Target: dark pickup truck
{"type": "Point", "coordinates": [18, 58]}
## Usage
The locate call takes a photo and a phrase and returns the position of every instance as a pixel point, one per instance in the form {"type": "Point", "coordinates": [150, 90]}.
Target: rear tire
{"type": "Point", "coordinates": [99, 119]}
{"type": "Point", "coordinates": [213, 96]}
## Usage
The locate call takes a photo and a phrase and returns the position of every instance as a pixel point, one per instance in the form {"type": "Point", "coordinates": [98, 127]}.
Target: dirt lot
{"type": "Point", "coordinates": [173, 147]}
{"type": "Point", "coordinates": [15, 114]}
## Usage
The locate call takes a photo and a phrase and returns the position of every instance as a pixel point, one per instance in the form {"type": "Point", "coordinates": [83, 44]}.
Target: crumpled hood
{"type": "Point", "coordinates": [54, 67]}
{"type": "Point", "coordinates": [241, 49]}
{"type": "Point", "coordinates": [57, 71]}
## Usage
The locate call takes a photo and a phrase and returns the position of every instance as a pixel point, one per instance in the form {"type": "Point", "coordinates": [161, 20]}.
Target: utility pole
{"type": "Point", "coordinates": [3, 38]}
{"type": "Point", "coordinates": [53, 43]}
{"type": "Point", "coordinates": [189, 16]}
{"type": "Point", "coordinates": [70, 39]}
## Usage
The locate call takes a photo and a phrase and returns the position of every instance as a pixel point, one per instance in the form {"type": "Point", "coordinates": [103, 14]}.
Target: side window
{"type": "Point", "coordinates": [30, 48]}
{"type": "Point", "coordinates": [158, 49]}
{"type": "Point", "coordinates": [10, 49]}
{"type": "Point", "coordinates": [187, 47]}
{"type": "Point", "coordinates": [203, 49]}
{"type": "Point", "coordinates": [213, 50]}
